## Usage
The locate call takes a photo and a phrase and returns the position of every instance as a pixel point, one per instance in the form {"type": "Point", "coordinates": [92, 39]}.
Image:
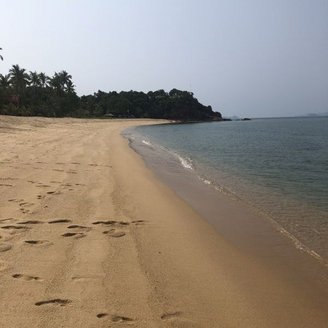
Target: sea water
{"type": "Point", "coordinates": [278, 166]}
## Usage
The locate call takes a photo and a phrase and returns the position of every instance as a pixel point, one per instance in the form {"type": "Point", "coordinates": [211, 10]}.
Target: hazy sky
{"type": "Point", "coordinates": [252, 58]}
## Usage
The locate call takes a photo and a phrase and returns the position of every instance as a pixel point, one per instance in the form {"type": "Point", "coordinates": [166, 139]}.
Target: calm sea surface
{"type": "Point", "coordinates": [279, 166]}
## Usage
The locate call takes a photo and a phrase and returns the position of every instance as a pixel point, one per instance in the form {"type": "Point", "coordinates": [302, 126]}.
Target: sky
{"type": "Point", "coordinates": [248, 58]}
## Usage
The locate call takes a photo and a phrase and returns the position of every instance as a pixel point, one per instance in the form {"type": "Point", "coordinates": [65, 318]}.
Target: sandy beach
{"type": "Point", "coordinates": [90, 237]}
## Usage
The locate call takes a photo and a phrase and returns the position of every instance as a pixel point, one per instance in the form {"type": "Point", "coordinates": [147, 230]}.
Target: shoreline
{"type": "Point", "coordinates": [162, 266]}
{"type": "Point", "coordinates": [182, 165]}
{"type": "Point", "coordinates": [241, 224]}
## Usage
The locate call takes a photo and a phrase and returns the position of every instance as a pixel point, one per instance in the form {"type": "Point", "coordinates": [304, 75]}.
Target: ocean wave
{"type": "Point", "coordinates": [147, 143]}
{"type": "Point", "coordinates": [185, 162]}
{"type": "Point", "coordinates": [208, 182]}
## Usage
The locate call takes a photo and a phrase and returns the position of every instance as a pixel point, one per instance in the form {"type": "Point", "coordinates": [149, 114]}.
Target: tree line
{"type": "Point", "coordinates": [36, 94]}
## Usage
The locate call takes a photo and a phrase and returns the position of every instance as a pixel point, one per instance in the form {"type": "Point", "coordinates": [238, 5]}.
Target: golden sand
{"type": "Point", "coordinates": [90, 238]}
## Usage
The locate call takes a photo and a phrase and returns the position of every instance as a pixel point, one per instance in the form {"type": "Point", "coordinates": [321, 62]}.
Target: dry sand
{"type": "Point", "coordinates": [90, 238]}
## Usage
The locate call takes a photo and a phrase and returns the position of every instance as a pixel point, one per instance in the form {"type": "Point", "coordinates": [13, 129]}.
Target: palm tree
{"type": "Point", "coordinates": [4, 88]}
{"type": "Point", "coordinates": [62, 82]}
{"type": "Point", "coordinates": [65, 76]}
{"type": "Point", "coordinates": [70, 87]}
{"type": "Point", "coordinates": [55, 83]}
{"type": "Point", "coordinates": [35, 79]}
{"type": "Point", "coordinates": [19, 79]}
{"type": "Point", "coordinates": [65, 80]}
{"type": "Point", "coordinates": [43, 78]}
{"type": "Point", "coordinates": [4, 81]}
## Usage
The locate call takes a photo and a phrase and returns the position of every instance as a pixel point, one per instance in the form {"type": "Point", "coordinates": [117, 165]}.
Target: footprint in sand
{"type": "Point", "coordinates": [114, 318]}
{"type": "Point", "coordinates": [8, 178]}
{"type": "Point", "coordinates": [111, 222]}
{"type": "Point", "coordinates": [31, 222]}
{"type": "Point", "coordinates": [138, 222]}
{"type": "Point", "coordinates": [53, 192]}
{"type": "Point", "coordinates": [56, 301]}
{"type": "Point", "coordinates": [13, 227]}
{"type": "Point", "coordinates": [71, 172]}
{"type": "Point", "coordinates": [104, 222]}
{"type": "Point", "coordinates": [7, 220]}
{"type": "Point", "coordinates": [171, 315]}
{"type": "Point", "coordinates": [26, 277]}
{"type": "Point", "coordinates": [38, 242]}
{"type": "Point", "coordinates": [114, 233]}
{"type": "Point", "coordinates": [5, 247]}
{"type": "Point", "coordinates": [86, 278]}
{"type": "Point", "coordinates": [102, 315]}
{"type": "Point", "coordinates": [60, 221]}
{"type": "Point", "coordinates": [23, 206]}
{"type": "Point", "coordinates": [43, 186]}
{"type": "Point", "coordinates": [76, 226]}
{"type": "Point", "coordinates": [118, 318]}
{"type": "Point", "coordinates": [15, 200]}
{"type": "Point", "coordinates": [26, 204]}
{"type": "Point", "coordinates": [76, 235]}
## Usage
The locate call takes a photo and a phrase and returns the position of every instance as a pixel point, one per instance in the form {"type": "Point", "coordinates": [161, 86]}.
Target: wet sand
{"type": "Point", "coordinates": [90, 237]}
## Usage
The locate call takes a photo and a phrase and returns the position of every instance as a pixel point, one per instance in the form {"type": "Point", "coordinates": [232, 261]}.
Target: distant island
{"type": "Point", "coordinates": [317, 114]}
{"type": "Point", "coordinates": [36, 94]}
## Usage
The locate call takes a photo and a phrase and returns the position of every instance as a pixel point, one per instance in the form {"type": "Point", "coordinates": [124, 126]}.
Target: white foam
{"type": "Point", "coordinates": [146, 142]}
{"type": "Point", "coordinates": [186, 163]}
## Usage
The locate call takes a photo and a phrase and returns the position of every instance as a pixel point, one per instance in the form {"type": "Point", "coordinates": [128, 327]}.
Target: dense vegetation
{"type": "Point", "coordinates": [35, 94]}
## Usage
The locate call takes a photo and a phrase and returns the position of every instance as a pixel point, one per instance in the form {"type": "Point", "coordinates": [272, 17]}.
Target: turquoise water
{"type": "Point", "coordinates": [279, 166]}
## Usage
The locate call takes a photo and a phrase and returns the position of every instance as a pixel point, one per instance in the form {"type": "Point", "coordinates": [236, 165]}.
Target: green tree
{"type": "Point", "coordinates": [37, 94]}
{"type": "Point", "coordinates": [62, 82]}
{"type": "Point", "coordinates": [19, 79]}
{"type": "Point", "coordinates": [70, 87]}
{"type": "Point", "coordinates": [35, 79]}
{"type": "Point", "coordinates": [44, 79]}
{"type": "Point", "coordinates": [4, 89]}
{"type": "Point", "coordinates": [5, 81]}
{"type": "Point", "coordinates": [56, 84]}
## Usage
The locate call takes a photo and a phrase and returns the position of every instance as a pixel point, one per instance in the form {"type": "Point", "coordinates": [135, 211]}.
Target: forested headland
{"type": "Point", "coordinates": [26, 93]}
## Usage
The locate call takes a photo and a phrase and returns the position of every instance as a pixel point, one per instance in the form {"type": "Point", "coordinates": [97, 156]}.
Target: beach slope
{"type": "Point", "coordinates": [90, 238]}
